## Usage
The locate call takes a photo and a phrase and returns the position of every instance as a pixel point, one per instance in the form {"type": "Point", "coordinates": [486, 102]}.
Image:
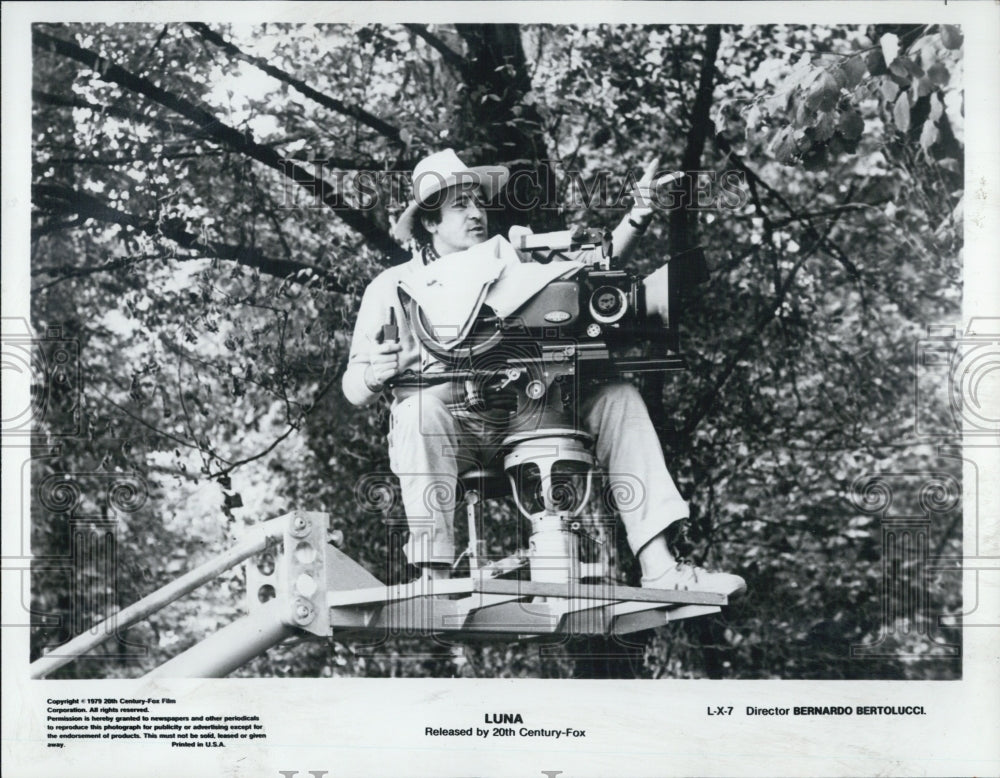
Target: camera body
{"type": "Point", "coordinates": [577, 319]}
{"type": "Point", "coordinates": [593, 304]}
{"type": "Point", "coordinates": [597, 302]}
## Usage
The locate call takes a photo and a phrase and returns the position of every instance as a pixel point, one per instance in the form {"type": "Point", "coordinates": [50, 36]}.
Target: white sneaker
{"type": "Point", "coordinates": [686, 577]}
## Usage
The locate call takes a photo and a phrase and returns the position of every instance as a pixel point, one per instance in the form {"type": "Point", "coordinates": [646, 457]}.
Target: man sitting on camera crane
{"type": "Point", "coordinates": [431, 439]}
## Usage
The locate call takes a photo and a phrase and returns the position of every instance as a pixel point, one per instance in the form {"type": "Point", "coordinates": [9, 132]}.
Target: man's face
{"type": "Point", "coordinates": [463, 220]}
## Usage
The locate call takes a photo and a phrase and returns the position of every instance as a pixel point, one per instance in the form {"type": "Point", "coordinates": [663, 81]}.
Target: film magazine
{"type": "Point", "coordinates": [503, 389]}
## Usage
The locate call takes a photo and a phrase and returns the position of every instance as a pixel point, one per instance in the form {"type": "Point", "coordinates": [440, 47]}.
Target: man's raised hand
{"type": "Point", "coordinates": [650, 183]}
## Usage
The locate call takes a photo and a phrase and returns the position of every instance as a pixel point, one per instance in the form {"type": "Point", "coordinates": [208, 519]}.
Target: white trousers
{"type": "Point", "coordinates": [429, 447]}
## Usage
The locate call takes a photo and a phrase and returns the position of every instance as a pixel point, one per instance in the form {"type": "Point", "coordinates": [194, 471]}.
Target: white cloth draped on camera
{"type": "Point", "coordinates": [451, 290]}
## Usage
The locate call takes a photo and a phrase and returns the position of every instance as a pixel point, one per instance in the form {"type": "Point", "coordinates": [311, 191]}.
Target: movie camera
{"type": "Point", "coordinates": [574, 326]}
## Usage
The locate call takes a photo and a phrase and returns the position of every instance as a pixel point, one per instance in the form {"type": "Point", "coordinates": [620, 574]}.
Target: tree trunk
{"type": "Point", "coordinates": [503, 127]}
{"type": "Point", "coordinates": [686, 268]}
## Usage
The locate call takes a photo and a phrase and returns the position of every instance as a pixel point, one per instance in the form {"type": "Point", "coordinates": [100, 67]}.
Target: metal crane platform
{"type": "Point", "coordinates": [300, 585]}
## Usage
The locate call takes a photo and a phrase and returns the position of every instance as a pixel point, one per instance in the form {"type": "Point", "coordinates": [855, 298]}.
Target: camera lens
{"type": "Point", "coordinates": [608, 304]}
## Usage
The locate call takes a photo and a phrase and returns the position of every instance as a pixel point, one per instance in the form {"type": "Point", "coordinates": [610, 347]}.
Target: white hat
{"type": "Point", "coordinates": [441, 170]}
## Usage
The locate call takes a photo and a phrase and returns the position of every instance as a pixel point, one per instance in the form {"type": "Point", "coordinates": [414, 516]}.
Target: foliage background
{"type": "Point", "coordinates": [197, 231]}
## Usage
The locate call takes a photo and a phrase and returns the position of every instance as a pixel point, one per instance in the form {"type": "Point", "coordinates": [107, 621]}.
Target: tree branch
{"type": "Point", "coordinates": [753, 179]}
{"type": "Point", "coordinates": [225, 135]}
{"type": "Point", "coordinates": [354, 111]}
{"type": "Point", "coordinates": [147, 425]}
{"type": "Point", "coordinates": [831, 211]}
{"type": "Point", "coordinates": [60, 101]}
{"type": "Point", "coordinates": [700, 122]}
{"type": "Point", "coordinates": [63, 200]}
{"type": "Point", "coordinates": [448, 54]}
{"type": "Point", "coordinates": [66, 272]}
{"type": "Point", "coordinates": [131, 159]}
{"type": "Point", "coordinates": [292, 427]}
{"type": "Point", "coordinates": [683, 221]}
{"type": "Point", "coordinates": [711, 395]}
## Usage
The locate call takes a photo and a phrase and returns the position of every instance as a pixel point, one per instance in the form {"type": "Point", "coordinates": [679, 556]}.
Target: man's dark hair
{"type": "Point", "coordinates": [429, 213]}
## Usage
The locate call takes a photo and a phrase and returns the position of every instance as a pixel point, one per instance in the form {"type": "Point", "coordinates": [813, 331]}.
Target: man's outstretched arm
{"type": "Point", "coordinates": [634, 224]}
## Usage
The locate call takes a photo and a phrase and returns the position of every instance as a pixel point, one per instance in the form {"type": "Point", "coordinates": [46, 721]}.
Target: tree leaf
{"type": "Point", "coordinates": [937, 108]}
{"type": "Point", "coordinates": [913, 67]}
{"type": "Point", "coordinates": [901, 113]}
{"type": "Point", "coordinates": [959, 210]}
{"type": "Point", "coordinates": [823, 93]}
{"type": "Point", "coordinates": [890, 89]}
{"type": "Point", "coordinates": [840, 76]}
{"type": "Point", "coordinates": [876, 63]}
{"type": "Point", "coordinates": [951, 36]}
{"type": "Point", "coordinates": [825, 127]}
{"type": "Point", "coordinates": [851, 125]}
{"type": "Point", "coordinates": [900, 68]}
{"type": "Point", "coordinates": [783, 146]}
{"type": "Point", "coordinates": [804, 113]}
{"type": "Point", "coordinates": [939, 74]}
{"type": "Point", "coordinates": [929, 135]}
{"type": "Point", "coordinates": [854, 71]}
{"type": "Point", "coordinates": [890, 46]}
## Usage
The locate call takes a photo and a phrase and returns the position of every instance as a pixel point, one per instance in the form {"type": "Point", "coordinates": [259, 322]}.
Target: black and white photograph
{"type": "Point", "coordinates": [541, 392]}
